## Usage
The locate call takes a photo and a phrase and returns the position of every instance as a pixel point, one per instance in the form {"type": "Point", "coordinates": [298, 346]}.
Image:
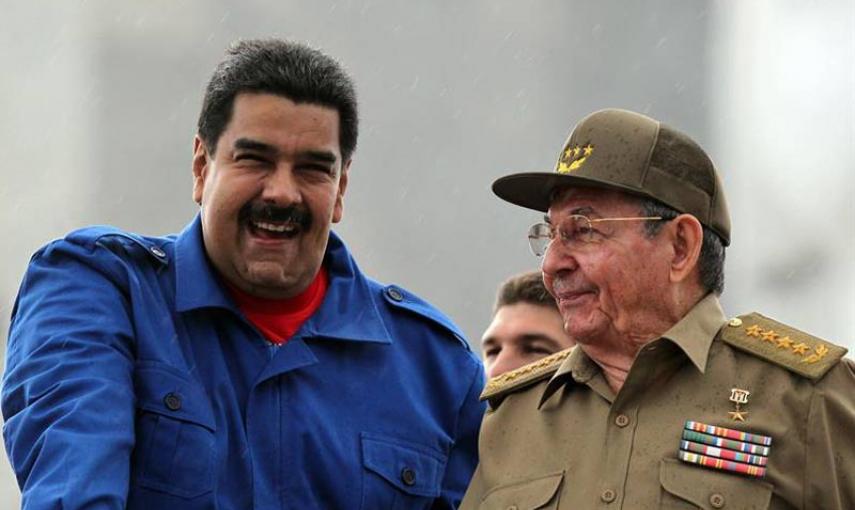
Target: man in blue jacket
{"type": "Point", "coordinates": [246, 362]}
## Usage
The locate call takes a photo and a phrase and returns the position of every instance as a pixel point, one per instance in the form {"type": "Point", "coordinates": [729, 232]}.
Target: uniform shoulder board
{"type": "Point", "coordinates": [783, 345]}
{"type": "Point", "coordinates": [524, 376]}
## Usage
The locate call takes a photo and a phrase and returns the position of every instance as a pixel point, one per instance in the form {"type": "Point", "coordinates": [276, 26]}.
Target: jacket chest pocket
{"type": "Point", "coordinates": [538, 493]}
{"type": "Point", "coordinates": [399, 474]}
{"type": "Point", "coordinates": [686, 486]}
{"type": "Point", "coordinates": [174, 451]}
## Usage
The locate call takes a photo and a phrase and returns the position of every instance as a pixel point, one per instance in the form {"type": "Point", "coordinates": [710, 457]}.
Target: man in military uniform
{"type": "Point", "coordinates": [663, 403]}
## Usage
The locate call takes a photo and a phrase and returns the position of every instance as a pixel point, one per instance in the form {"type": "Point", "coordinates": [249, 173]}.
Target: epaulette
{"type": "Point", "coordinates": [524, 375]}
{"type": "Point", "coordinates": [783, 345]}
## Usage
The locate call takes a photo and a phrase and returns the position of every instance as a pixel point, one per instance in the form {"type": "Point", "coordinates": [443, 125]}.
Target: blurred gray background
{"type": "Point", "coordinates": [98, 103]}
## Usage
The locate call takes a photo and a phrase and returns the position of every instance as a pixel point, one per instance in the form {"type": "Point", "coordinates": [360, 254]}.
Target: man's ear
{"type": "Point", "coordinates": [201, 160]}
{"type": "Point", "coordinates": [687, 235]}
{"type": "Point", "coordinates": [338, 209]}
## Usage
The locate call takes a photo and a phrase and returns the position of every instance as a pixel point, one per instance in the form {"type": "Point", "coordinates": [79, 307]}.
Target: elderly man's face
{"type": "Point", "coordinates": [609, 285]}
{"type": "Point", "coordinates": [270, 192]}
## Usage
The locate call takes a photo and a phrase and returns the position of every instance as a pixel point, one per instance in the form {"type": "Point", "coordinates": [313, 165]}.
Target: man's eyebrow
{"type": "Point", "coordinates": [583, 210]}
{"type": "Point", "coordinates": [254, 145]}
{"type": "Point", "coordinates": [489, 341]}
{"type": "Point", "coordinates": [320, 156]}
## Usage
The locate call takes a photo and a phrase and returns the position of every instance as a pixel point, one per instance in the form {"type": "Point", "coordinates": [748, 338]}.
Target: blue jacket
{"type": "Point", "coordinates": [133, 381]}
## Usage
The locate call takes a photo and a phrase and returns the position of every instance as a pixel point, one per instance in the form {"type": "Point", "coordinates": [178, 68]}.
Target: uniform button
{"type": "Point", "coordinates": [717, 500]}
{"type": "Point", "coordinates": [608, 495]}
{"type": "Point", "coordinates": [157, 252]}
{"type": "Point", "coordinates": [621, 420]}
{"type": "Point", "coordinates": [394, 294]}
{"type": "Point", "coordinates": [734, 322]}
{"type": "Point", "coordinates": [408, 476]}
{"type": "Point", "coordinates": [172, 401]}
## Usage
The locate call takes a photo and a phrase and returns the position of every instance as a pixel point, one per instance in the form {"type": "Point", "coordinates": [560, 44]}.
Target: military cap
{"type": "Point", "coordinates": [629, 152]}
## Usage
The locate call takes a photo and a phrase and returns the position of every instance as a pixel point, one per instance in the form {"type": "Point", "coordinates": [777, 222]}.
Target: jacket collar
{"type": "Point", "coordinates": [693, 334]}
{"type": "Point", "coordinates": [349, 310]}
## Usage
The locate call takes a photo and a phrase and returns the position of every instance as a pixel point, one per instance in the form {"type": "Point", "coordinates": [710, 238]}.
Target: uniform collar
{"type": "Point", "coordinates": [349, 310]}
{"type": "Point", "coordinates": [693, 334]}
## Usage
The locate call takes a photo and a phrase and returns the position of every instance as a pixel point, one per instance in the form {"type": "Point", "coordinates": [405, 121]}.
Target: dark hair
{"type": "Point", "coordinates": [524, 288]}
{"type": "Point", "coordinates": [711, 259]}
{"type": "Point", "coordinates": [286, 68]}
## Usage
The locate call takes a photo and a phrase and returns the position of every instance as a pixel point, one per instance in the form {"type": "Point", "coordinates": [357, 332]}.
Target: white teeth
{"type": "Point", "coordinates": [290, 227]}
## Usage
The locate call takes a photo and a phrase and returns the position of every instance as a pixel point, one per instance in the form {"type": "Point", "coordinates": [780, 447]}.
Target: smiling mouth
{"type": "Point", "coordinates": [571, 298]}
{"type": "Point", "coordinates": [274, 230]}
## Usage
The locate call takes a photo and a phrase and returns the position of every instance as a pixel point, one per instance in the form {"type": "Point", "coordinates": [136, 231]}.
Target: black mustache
{"type": "Point", "coordinates": [269, 212]}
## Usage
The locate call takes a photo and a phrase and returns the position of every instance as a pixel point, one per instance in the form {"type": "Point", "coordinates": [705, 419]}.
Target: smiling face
{"type": "Point", "coordinates": [614, 286]}
{"type": "Point", "coordinates": [521, 333]}
{"type": "Point", "coordinates": [270, 193]}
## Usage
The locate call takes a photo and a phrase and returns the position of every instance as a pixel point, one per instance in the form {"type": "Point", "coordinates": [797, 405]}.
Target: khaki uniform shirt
{"type": "Point", "coordinates": [556, 436]}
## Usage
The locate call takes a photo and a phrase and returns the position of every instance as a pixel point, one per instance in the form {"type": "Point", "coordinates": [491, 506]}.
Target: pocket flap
{"type": "Point", "coordinates": [699, 485]}
{"type": "Point", "coordinates": [526, 494]}
{"type": "Point", "coordinates": [160, 389]}
{"type": "Point", "coordinates": [411, 467]}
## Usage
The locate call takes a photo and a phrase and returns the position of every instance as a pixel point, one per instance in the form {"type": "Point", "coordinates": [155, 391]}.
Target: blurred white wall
{"type": "Point", "coordinates": [98, 104]}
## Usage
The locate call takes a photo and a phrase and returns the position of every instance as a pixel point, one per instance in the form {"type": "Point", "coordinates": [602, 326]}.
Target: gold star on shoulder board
{"type": "Point", "coordinates": [785, 343]}
{"type": "Point", "coordinates": [801, 348]}
{"type": "Point", "coordinates": [754, 330]}
{"type": "Point", "coordinates": [769, 336]}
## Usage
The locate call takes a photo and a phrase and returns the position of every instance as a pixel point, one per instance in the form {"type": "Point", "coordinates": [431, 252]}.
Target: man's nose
{"type": "Point", "coordinates": [281, 186]}
{"type": "Point", "coordinates": [557, 258]}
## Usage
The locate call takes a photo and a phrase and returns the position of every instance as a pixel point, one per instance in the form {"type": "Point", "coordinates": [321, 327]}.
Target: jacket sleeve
{"type": "Point", "coordinates": [67, 397]}
{"type": "Point", "coordinates": [829, 449]}
{"type": "Point", "coordinates": [464, 453]}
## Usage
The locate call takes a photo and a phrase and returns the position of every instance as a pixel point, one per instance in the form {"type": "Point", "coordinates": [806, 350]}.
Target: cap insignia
{"type": "Point", "coordinates": [573, 157]}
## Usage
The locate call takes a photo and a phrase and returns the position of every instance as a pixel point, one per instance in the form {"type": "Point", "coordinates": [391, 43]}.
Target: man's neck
{"type": "Point", "coordinates": [615, 352]}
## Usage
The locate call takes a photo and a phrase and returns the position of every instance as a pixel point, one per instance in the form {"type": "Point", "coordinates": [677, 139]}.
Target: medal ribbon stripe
{"type": "Point", "coordinates": [725, 443]}
{"type": "Point", "coordinates": [728, 433]}
{"type": "Point", "coordinates": [725, 465]}
{"type": "Point", "coordinates": [714, 451]}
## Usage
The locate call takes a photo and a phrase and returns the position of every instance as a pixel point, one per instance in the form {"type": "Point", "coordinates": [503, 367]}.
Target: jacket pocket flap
{"type": "Point", "coordinates": [526, 494]}
{"type": "Point", "coordinates": [411, 467]}
{"type": "Point", "coordinates": [161, 390]}
{"type": "Point", "coordinates": [700, 486]}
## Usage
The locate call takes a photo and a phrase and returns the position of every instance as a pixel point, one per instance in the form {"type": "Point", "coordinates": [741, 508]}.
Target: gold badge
{"type": "Point", "coordinates": [573, 157]}
{"type": "Point", "coordinates": [739, 398]}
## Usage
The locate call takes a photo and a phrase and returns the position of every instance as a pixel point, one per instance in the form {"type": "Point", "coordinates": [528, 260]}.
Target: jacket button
{"type": "Point", "coordinates": [608, 495]}
{"type": "Point", "coordinates": [408, 476]}
{"type": "Point", "coordinates": [621, 420]}
{"type": "Point", "coordinates": [717, 500]}
{"type": "Point", "coordinates": [157, 252]}
{"type": "Point", "coordinates": [172, 401]}
{"type": "Point", "coordinates": [394, 294]}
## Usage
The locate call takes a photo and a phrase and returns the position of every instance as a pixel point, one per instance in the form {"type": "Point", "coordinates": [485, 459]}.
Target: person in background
{"type": "Point", "coordinates": [526, 325]}
{"type": "Point", "coordinates": [246, 362]}
{"type": "Point", "coordinates": [664, 402]}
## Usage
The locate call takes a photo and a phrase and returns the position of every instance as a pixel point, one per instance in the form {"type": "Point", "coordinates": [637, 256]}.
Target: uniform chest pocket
{"type": "Point", "coordinates": [687, 486]}
{"type": "Point", "coordinates": [539, 493]}
{"type": "Point", "coordinates": [174, 450]}
{"type": "Point", "coordinates": [399, 474]}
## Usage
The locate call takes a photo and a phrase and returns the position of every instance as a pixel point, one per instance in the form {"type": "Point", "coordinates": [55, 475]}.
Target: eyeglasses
{"type": "Point", "coordinates": [573, 230]}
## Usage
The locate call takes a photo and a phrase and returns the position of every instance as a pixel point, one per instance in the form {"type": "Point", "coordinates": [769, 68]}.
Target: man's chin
{"type": "Point", "coordinates": [270, 280]}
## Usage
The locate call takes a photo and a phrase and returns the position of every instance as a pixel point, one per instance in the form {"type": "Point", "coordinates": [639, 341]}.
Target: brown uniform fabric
{"type": "Point", "coordinates": [569, 442]}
